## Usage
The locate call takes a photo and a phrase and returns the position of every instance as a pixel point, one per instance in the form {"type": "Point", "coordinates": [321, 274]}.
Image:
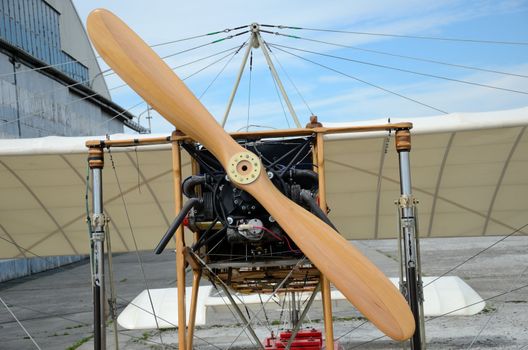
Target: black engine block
{"type": "Point", "coordinates": [232, 226]}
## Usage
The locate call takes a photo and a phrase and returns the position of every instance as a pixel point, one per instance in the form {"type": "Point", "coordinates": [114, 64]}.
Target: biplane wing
{"type": "Point", "coordinates": [469, 174]}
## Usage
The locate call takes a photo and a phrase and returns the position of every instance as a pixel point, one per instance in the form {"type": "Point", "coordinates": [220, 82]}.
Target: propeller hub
{"type": "Point", "coordinates": [244, 168]}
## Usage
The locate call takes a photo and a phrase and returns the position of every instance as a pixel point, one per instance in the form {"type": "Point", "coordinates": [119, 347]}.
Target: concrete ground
{"type": "Point", "coordinates": [55, 306]}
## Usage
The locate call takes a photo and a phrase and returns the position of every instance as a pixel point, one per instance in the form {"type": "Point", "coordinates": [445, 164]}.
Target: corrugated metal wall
{"type": "Point", "coordinates": [34, 105]}
{"type": "Point", "coordinates": [33, 26]}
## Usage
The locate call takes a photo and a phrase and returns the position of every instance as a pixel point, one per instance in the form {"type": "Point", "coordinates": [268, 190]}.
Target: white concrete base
{"type": "Point", "coordinates": [448, 294]}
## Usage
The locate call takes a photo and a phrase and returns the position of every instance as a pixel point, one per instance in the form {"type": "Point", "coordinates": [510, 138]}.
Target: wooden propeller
{"type": "Point", "coordinates": [363, 284]}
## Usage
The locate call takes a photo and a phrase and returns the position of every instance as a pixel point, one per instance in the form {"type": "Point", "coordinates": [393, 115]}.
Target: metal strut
{"type": "Point", "coordinates": [412, 286]}
{"type": "Point", "coordinates": [255, 41]}
{"type": "Point", "coordinates": [97, 235]}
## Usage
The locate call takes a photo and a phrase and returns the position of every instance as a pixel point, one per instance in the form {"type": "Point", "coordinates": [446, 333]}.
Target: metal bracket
{"type": "Point", "coordinates": [98, 220]}
{"type": "Point", "coordinates": [407, 201]}
{"type": "Point", "coordinates": [403, 288]}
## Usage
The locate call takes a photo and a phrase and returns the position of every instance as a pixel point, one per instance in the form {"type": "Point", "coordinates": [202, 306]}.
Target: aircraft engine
{"type": "Point", "coordinates": [231, 224]}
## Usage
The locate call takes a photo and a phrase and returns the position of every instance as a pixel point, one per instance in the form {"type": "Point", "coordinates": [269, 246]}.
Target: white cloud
{"type": "Point", "coordinates": [333, 97]}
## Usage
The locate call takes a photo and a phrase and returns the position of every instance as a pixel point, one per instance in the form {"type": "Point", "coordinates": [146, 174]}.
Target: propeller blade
{"type": "Point", "coordinates": [363, 284]}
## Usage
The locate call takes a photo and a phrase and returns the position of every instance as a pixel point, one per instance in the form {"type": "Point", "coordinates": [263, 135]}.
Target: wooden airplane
{"type": "Point", "coordinates": [245, 199]}
{"type": "Point", "coordinates": [268, 233]}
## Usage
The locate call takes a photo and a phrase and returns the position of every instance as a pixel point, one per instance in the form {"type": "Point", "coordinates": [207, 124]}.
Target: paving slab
{"type": "Point", "coordinates": [55, 306]}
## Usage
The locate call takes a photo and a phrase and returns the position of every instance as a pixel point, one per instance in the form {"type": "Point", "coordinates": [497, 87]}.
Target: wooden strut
{"type": "Point", "coordinates": [253, 134]}
{"type": "Point", "coordinates": [180, 244]}
{"type": "Point", "coordinates": [318, 159]}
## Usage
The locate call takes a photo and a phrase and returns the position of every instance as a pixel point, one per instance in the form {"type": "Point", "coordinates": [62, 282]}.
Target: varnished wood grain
{"type": "Point", "coordinates": [351, 272]}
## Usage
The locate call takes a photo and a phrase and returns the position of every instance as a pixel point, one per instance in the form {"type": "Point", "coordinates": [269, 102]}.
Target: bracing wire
{"type": "Point", "coordinates": [20, 323]}
{"type": "Point", "coordinates": [464, 40]}
{"type": "Point", "coordinates": [401, 69]}
{"type": "Point", "coordinates": [492, 315]}
{"type": "Point", "coordinates": [361, 80]}
{"type": "Point", "coordinates": [136, 247]}
{"type": "Point", "coordinates": [291, 81]}
{"type": "Point", "coordinates": [36, 114]}
{"type": "Point", "coordinates": [141, 101]}
{"type": "Point", "coordinates": [221, 71]}
{"type": "Point", "coordinates": [62, 269]}
{"type": "Point", "coordinates": [108, 72]}
{"type": "Point", "coordinates": [478, 253]}
{"type": "Point", "coordinates": [448, 313]}
{"type": "Point", "coordinates": [279, 98]}
{"type": "Point", "coordinates": [249, 87]}
{"type": "Point", "coordinates": [278, 287]}
{"type": "Point", "coordinates": [210, 64]}
{"type": "Point", "coordinates": [227, 30]}
{"type": "Point", "coordinates": [421, 59]}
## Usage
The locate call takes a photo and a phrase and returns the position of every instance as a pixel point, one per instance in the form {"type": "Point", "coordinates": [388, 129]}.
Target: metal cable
{"type": "Point", "coordinates": [112, 301]}
{"type": "Point", "coordinates": [279, 98]}
{"type": "Point", "coordinates": [291, 81]}
{"type": "Point", "coordinates": [151, 46]}
{"type": "Point", "coordinates": [279, 286]}
{"type": "Point", "coordinates": [421, 59]}
{"type": "Point", "coordinates": [62, 269]}
{"type": "Point", "coordinates": [249, 87]}
{"type": "Point", "coordinates": [465, 40]}
{"type": "Point", "coordinates": [492, 315]}
{"type": "Point", "coordinates": [20, 324]}
{"type": "Point", "coordinates": [403, 70]}
{"type": "Point", "coordinates": [477, 254]}
{"type": "Point", "coordinates": [362, 81]}
{"type": "Point", "coordinates": [165, 320]}
{"type": "Point", "coordinates": [140, 261]}
{"type": "Point", "coordinates": [221, 71]}
{"type": "Point", "coordinates": [36, 114]}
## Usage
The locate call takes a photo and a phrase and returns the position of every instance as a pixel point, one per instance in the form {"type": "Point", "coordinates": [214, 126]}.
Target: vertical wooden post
{"type": "Point", "coordinates": [325, 283]}
{"type": "Point", "coordinates": [180, 243]}
{"type": "Point", "coordinates": [197, 275]}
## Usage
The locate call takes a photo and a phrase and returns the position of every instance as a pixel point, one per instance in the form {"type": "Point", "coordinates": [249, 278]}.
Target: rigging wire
{"type": "Point", "coordinates": [165, 320]}
{"type": "Point", "coordinates": [478, 253]}
{"type": "Point", "coordinates": [279, 98]}
{"type": "Point", "coordinates": [402, 69]}
{"type": "Point", "coordinates": [20, 323]}
{"type": "Point", "coordinates": [63, 269]}
{"type": "Point", "coordinates": [125, 208]}
{"type": "Point", "coordinates": [362, 81]}
{"type": "Point", "coordinates": [210, 64]}
{"type": "Point", "coordinates": [249, 87]}
{"type": "Point", "coordinates": [142, 101]}
{"type": "Point", "coordinates": [278, 287]}
{"type": "Point", "coordinates": [214, 275]}
{"type": "Point", "coordinates": [221, 70]}
{"type": "Point", "coordinates": [492, 315]}
{"type": "Point", "coordinates": [465, 40]}
{"type": "Point", "coordinates": [421, 59]}
{"type": "Point", "coordinates": [227, 30]}
{"type": "Point", "coordinates": [204, 45]}
{"type": "Point", "coordinates": [291, 81]}
{"type": "Point", "coordinates": [37, 114]}
{"type": "Point", "coordinates": [449, 312]}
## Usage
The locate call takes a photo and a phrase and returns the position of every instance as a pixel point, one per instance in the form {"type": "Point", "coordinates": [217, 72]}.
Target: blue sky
{"type": "Point", "coordinates": [332, 96]}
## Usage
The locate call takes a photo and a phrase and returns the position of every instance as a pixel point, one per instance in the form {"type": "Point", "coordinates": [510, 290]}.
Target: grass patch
{"type": "Point", "coordinates": [79, 342]}
{"type": "Point", "coordinates": [76, 326]}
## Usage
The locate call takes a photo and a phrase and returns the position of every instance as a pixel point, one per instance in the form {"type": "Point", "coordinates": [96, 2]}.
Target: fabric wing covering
{"type": "Point", "coordinates": [468, 173]}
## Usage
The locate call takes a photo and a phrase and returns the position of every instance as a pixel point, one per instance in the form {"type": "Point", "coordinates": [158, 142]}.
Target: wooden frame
{"type": "Point", "coordinates": [239, 282]}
